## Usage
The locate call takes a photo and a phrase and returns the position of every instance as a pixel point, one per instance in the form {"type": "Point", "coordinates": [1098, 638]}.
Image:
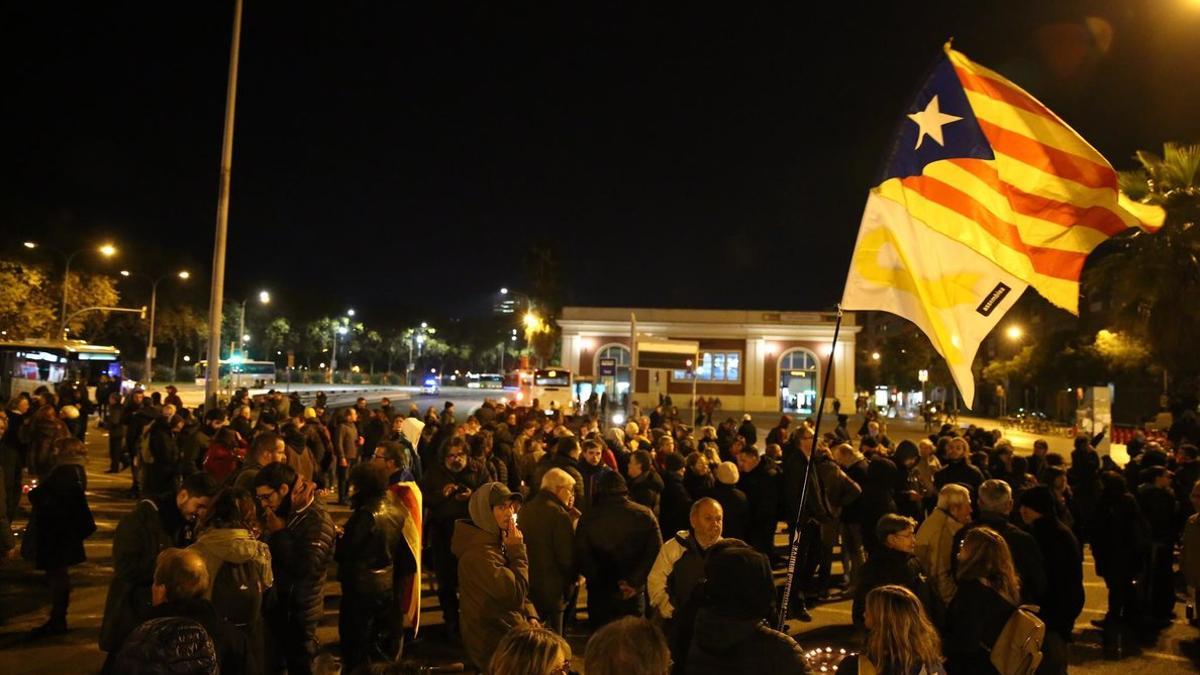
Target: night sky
{"type": "Point", "coordinates": [401, 157]}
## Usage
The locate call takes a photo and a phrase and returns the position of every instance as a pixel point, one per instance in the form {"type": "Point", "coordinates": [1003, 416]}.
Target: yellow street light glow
{"type": "Point", "coordinates": [264, 297]}
{"type": "Point", "coordinates": [874, 356]}
{"type": "Point", "coordinates": [1014, 332]}
{"type": "Point", "coordinates": [124, 273]}
{"type": "Point", "coordinates": [532, 321]}
{"type": "Point", "coordinates": [184, 274]}
{"type": "Point", "coordinates": [108, 250]}
{"type": "Point", "coordinates": [30, 244]}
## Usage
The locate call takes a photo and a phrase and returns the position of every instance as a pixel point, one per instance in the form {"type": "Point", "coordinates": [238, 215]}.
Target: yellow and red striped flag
{"type": "Point", "coordinates": [985, 191]}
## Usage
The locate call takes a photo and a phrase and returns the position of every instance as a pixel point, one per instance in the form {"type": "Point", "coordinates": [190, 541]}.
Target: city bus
{"type": "Point", "coordinates": [485, 381]}
{"type": "Point", "coordinates": [550, 387]}
{"type": "Point", "coordinates": [238, 373]}
{"type": "Point", "coordinates": [26, 365]}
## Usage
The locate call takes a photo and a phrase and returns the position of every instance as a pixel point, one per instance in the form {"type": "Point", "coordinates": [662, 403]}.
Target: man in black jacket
{"type": "Point", "coordinates": [300, 534]}
{"type": "Point", "coordinates": [1062, 602]}
{"type": "Point", "coordinates": [616, 545]}
{"type": "Point", "coordinates": [676, 503]}
{"type": "Point", "coordinates": [894, 562]}
{"type": "Point", "coordinates": [760, 481]}
{"type": "Point", "coordinates": [959, 469]}
{"type": "Point", "coordinates": [995, 508]}
{"type": "Point", "coordinates": [548, 523]}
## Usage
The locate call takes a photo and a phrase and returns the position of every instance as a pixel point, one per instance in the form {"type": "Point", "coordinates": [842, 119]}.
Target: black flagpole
{"type": "Point", "coordinates": [797, 527]}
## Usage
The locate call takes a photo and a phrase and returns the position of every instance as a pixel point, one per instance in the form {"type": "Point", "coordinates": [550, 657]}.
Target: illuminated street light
{"type": "Point", "coordinates": [185, 274]}
{"type": "Point", "coordinates": [186, 358]}
{"type": "Point", "coordinates": [108, 250]}
{"type": "Point", "coordinates": [342, 330]}
{"type": "Point", "coordinates": [424, 325]}
{"type": "Point", "coordinates": [1014, 332]}
{"type": "Point", "coordinates": [874, 356]}
{"type": "Point", "coordinates": [246, 337]}
{"type": "Point", "coordinates": [503, 291]}
{"type": "Point", "coordinates": [125, 273]}
{"type": "Point", "coordinates": [532, 321]}
{"type": "Point", "coordinates": [350, 312]}
{"type": "Point", "coordinates": [30, 244]}
{"type": "Point", "coordinates": [264, 297]}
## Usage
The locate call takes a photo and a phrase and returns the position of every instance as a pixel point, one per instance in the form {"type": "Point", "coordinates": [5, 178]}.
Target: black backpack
{"type": "Point", "coordinates": [237, 594]}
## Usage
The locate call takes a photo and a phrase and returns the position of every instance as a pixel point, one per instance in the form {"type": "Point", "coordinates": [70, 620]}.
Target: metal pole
{"type": "Point", "coordinates": [797, 527]}
{"type": "Point", "coordinates": [633, 362]}
{"type": "Point", "coordinates": [241, 329]}
{"type": "Point", "coordinates": [218, 268]}
{"type": "Point", "coordinates": [148, 376]}
{"type": "Point", "coordinates": [333, 357]}
{"type": "Point", "coordinates": [62, 312]}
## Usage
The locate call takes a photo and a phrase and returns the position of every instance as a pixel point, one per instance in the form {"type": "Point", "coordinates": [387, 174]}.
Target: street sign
{"type": "Point", "coordinates": [608, 367]}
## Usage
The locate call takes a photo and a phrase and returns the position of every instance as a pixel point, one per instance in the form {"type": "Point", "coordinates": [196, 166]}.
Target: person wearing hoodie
{"type": "Point", "coordinates": [731, 633]}
{"type": "Point", "coordinates": [645, 485]}
{"type": "Point", "coordinates": [616, 544]}
{"type": "Point", "coordinates": [493, 571]}
{"type": "Point", "coordinates": [447, 487]}
{"type": "Point", "coordinates": [229, 549]}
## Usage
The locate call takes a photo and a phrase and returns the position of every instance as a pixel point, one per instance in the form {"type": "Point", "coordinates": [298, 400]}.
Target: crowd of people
{"type": "Point", "coordinates": [959, 554]}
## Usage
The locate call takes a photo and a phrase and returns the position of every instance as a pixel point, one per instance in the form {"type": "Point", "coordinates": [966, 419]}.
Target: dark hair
{"type": "Point", "coordinates": [395, 452]}
{"type": "Point", "coordinates": [226, 436]}
{"type": "Point", "coordinates": [264, 442]}
{"type": "Point", "coordinates": [892, 523]}
{"type": "Point", "coordinates": [199, 484]}
{"type": "Point", "coordinates": [627, 646]}
{"type": "Point", "coordinates": [368, 482]}
{"type": "Point", "coordinates": [906, 450]}
{"type": "Point", "coordinates": [566, 446]}
{"type": "Point", "coordinates": [275, 475]}
{"type": "Point", "coordinates": [232, 508]}
{"type": "Point", "coordinates": [214, 415]}
{"type": "Point", "coordinates": [643, 459]}
{"type": "Point", "coordinates": [1190, 451]}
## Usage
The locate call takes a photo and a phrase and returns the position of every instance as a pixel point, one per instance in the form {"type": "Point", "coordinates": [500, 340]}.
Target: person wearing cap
{"type": "Point", "coordinates": [733, 501]}
{"type": "Point", "coordinates": [616, 544]}
{"type": "Point", "coordinates": [1063, 599]}
{"type": "Point", "coordinates": [747, 430]}
{"type": "Point", "coordinates": [493, 571]}
{"type": "Point", "coordinates": [731, 634]}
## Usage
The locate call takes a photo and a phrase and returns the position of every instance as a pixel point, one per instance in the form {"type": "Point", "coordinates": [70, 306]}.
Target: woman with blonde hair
{"type": "Point", "coordinates": [900, 638]}
{"type": "Point", "coordinates": [988, 593]}
{"type": "Point", "coordinates": [531, 651]}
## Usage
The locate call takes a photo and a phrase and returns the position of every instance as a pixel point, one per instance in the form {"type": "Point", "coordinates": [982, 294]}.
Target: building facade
{"type": "Point", "coordinates": [755, 361]}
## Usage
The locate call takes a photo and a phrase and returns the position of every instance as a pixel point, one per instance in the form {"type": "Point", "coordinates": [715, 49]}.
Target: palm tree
{"type": "Point", "coordinates": [1151, 280]}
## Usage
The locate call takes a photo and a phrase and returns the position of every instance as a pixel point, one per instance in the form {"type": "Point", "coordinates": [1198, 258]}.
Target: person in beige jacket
{"type": "Point", "coordinates": [935, 538]}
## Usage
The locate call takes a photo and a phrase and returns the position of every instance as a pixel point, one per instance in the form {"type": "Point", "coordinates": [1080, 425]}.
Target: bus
{"type": "Point", "coordinates": [485, 381]}
{"type": "Point", "coordinates": [238, 373]}
{"type": "Point", "coordinates": [26, 365]}
{"type": "Point", "coordinates": [552, 388]}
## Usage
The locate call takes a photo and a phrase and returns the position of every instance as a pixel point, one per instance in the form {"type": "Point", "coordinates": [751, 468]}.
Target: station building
{"type": "Point", "coordinates": [752, 360]}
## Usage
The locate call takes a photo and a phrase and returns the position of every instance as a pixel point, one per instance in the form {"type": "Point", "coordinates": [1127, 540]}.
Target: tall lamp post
{"type": "Point", "coordinates": [148, 376]}
{"type": "Point", "coordinates": [265, 298]}
{"type": "Point", "coordinates": [106, 250]}
{"type": "Point", "coordinates": [341, 328]}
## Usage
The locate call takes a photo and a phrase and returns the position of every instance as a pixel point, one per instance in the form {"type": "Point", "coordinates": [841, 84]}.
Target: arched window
{"type": "Point", "coordinates": [616, 383]}
{"type": "Point", "coordinates": [798, 381]}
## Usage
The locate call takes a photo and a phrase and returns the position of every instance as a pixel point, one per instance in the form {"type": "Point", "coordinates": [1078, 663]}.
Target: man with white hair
{"type": "Point", "coordinates": [935, 538]}
{"type": "Point", "coordinates": [995, 507]}
{"type": "Point", "coordinates": [548, 521]}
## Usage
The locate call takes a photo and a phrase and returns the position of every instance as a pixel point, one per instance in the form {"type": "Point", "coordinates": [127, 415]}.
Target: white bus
{"type": "Point", "coordinates": [26, 365]}
{"type": "Point", "coordinates": [550, 387]}
{"type": "Point", "coordinates": [238, 373]}
{"type": "Point", "coordinates": [485, 381]}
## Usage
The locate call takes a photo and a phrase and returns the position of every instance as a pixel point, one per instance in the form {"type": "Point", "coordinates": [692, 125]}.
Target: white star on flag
{"type": "Point", "coordinates": [930, 122]}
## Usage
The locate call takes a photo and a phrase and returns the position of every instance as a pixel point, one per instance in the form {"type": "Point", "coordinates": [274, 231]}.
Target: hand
{"type": "Point", "coordinates": [361, 440]}
{"type": "Point", "coordinates": [303, 492]}
{"type": "Point", "coordinates": [342, 462]}
{"type": "Point", "coordinates": [513, 535]}
{"type": "Point", "coordinates": [464, 495]}
{"type": "Point", "coordinates": [627, 591]}
{"type": "Point", "coordinates": [534, 623]}
{"type": "Point", "coordinates": [448, 489]}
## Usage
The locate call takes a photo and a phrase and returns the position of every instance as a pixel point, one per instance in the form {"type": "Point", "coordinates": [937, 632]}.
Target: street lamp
{"type": "Point", "coordinates": [264, 297]}
{"type": "Point", "coordinates": [874, 356]}
{"type": "Point", "coordinates": [107, 250]}
{"type": "Point", "coordinates": [1014, 332]}
{"type": "Point", "coordinates": [148, 376]}
{"type": "Point", "coordinates": [338, 329]}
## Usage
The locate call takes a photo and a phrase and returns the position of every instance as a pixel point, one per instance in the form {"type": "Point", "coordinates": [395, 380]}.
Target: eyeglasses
{"type": "Point", "coordinates": [262, 497]}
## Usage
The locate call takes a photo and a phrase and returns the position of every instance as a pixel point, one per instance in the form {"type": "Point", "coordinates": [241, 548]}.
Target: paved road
{"type": "Point", "coordinates": [23, 600]}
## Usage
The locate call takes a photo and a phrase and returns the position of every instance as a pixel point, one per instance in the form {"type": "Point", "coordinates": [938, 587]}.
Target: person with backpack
{"type": "Point", "coordinates": [238, 564]}
{"type": "Point", "coordinates": [900, 638]}
{"type": "Point", "coordinates": [986, 599]}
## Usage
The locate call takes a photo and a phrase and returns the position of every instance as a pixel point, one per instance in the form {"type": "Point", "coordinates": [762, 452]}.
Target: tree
{"type": "Point", "coordinates": [278, 336]}
{"type": "Point", "coordinates": [85, 291]}
{"type": "Point", "coordinates": [26, 309]}
{"type": "Point", "coordinates": [180, 325]}
{"type": "Point", "coordinates": [1151, 280]}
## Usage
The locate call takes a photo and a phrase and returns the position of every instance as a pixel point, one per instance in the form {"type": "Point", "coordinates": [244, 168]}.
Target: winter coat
{"type": "Point", "coordinates": [617, 540]}
{"type": "Point", "coordinates": [935, 540]}
{"type": "Point", "coordinates": [761, 486]}
{"type": "Point", "coordinates": [1026, 555]}
{"type": "Point", "coordinates": [221, 462]}
{"type": "Point", "coordinates": [748, 431]}
{"type": "Point", "coordinates": [550, 542]}
{"type": "Point", "coordinates": [300, 554]}
{"type": "Point", "coordinates": [1119, 537]}
{"type": "Point", "coordinates": [889, 566]}
{"type": "Point", "coordinates": [1189, 563]}
{"type": "Point", "coordinates": [962, 472]}
{"type": "Point", "coordinates": [1062, 602]}
{"type": "Point", "coordinates": [153, 525]}
{"type": "Point", "coordinates": [63, 518]}
{"type": "Point", "coordinates": [443, 510]}
{"type": "Point", "coordinates": [678, 571]}
{"type": "Point", "coordinates": [974, 621]}
{"type": "Point", "coordinates": [724, 645]}
{"type": "Point", "coordinates": [158, 477]}
{"type": "Point", "coordinates": [736, 507]}
{"type": "Point", "coordinates": [698, 485]}
{"type": "Point", "coordinates": [236, 546]}
{"type": "Point", "coordinates": [493, 588]}
{"type": "Point", "coordinates": [675, 508]}
{"type": "Point", "coordinates": [43, 433]}
{"type": "Point", "coordinates": [877, 499]}
{"type": "Point", "coordinates": [647, 490]}
{"type": "Point", "coordinates": [233, 649]}
{"type": "Point", "coordinates": [346, 446]}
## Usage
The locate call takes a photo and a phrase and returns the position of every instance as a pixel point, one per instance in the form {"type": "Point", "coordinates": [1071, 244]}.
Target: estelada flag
{"type": "Point", "coordinates": [408, 496]}
{"type": "Point", "coordinates": [984, 192]}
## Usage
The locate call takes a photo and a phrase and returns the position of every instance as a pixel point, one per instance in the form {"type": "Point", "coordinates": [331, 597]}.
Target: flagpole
{"type": "Point", "coordinates": [797, 528]}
